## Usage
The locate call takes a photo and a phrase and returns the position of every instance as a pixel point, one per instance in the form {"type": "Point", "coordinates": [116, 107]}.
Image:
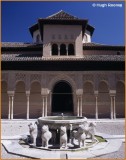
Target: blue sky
{"type": "Point", "coordinates": [17, 17]}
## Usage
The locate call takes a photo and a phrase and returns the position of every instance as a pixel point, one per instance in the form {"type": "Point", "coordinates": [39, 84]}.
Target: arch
{"type": "Point", "coordinates": [4, 100]}
{"type": "Point", "coordinates": [35, 100]}
{"type": "Point", "coordinates": [120, 100]}
{"type": "Point", "coordinates": [63, 50]}
{"type": "Point", "coordinates": [104, 103]}
{"type": "Point", "coordinates": [54, 49]}
{"type": "Point", "coordinates": [62, 77]}
{"type": "Point", "coordinates": [62, 97]}
{"type": "Point", "coordinates": [71, 49]}
{"type": "Point", "coordinates": [89, 100]}
{"type": "Point", "coordinates": [20, 101]}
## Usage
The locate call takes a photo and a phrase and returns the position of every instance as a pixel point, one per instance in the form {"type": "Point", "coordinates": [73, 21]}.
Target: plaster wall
{"type": "Point", "coordinates": [57, 34]}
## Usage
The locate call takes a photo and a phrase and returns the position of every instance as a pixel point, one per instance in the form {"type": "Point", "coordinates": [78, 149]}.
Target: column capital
{"type": "Point", "coordinates": [10, 93]}
{"type": "Point", "coordinates": [96, 93]}
{"type": "Point", "coordinates": [45, 91]}
{"type": "Point", "coordinates": [79, 92]}
{"type": "Point", "coordinates": [27, 93]}
{"type": "Point", "coordinates": [112, 92]}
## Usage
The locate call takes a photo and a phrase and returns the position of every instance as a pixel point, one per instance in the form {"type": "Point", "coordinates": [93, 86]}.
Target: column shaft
{"type": "Point", "coordinates": [12, 103]}
{"type": "Point", "coordinates": [111, 107]}
{"type": "Point", "coordinates": [81, 106]}
{"type": "Point", "coordinates": [46, 106]}
{"type": "Point", "coordinates": [78, 106]}
{"type": "Point", "coordinates": [67, 50]}
{"type": "Point", "coordinates": [27, 106]}
{"type": "Point", "coordinates": [96, 110]}
{"type": "Point", "coordinates": [9, 109]}
{"type": "Point", "coordinates": [114, 107]}
{"type": "Point", "coordinates": [43, 107]}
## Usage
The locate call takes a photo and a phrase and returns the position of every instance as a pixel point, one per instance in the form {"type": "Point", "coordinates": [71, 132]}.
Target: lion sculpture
{"type": "Point", "coordinates": [33, 133]}
{"type": "Point", "coordinates": [46, 136]}
{"type": "Point", "coordinates": [80, 136]}
{"type": "Point", "coordinates": [63, 137]}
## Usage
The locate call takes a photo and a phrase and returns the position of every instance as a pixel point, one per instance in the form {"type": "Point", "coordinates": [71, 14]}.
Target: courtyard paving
{"type": "Point", "coordinates": [20, 127]}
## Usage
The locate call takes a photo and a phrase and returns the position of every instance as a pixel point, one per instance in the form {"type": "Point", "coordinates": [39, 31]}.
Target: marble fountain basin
{"type": "Point", "coordinates": [55, 122]}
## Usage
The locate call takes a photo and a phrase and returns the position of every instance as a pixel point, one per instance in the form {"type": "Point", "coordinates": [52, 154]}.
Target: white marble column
{"type": "Point", "coordinates": [81, 106]}
{"type": "Point", "coordinates": [12, 105]}
{"type": "Point", "coordinates": [27, 95]}
{"type": "Point", "coordinates": [58, 50]}
{"type": "Point", "coordinates": [78, 106]}
{"type": "Point", "coordinates": [111, 107]}
{"type": "Point", "coordinates": [27, 106]}
{"type": "Point", "coordinates": [114, 107]}
{"type": "Point", "coordinates": [43, 107]}
{"type": "Point", "coordinates": [67, 50]}
{"type": "Point", "coordinates": [96, 107]}
{"type": "Point", "coordinates": [9, 109]}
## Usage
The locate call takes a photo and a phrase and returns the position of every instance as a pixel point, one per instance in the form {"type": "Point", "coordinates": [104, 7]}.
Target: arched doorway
{"type": "Point", "coordinates": [120, 100]}
{"type": "Point", "coordinates": [62, 98]}
{"type": "Point", "coordinates": [35, 109]}
{"type": "Point", "coordinates": [20, 101]}
{"type": "Point", "coordinates": [4, 100]}
{"type": "Point", "coordinates": [104, 101]}
{"type": "Point", "coordinates": [89, 100]}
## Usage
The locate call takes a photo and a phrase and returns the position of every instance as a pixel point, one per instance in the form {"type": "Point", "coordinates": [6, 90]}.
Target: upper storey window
{"type": "Point", "coordinates": [70, 49]}
{"type": "Point", "coordinates": [54, 49]}
{"type": "Point", "coordinates": [63, 49]}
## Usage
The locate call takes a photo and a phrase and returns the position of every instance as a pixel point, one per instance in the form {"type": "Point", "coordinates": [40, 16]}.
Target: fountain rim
{"type": "Point", "coordinates": [75, 121]}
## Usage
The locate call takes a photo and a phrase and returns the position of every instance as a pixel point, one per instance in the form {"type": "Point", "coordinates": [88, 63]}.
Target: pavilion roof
{"type": "Point", "coordinates": [62, 15]}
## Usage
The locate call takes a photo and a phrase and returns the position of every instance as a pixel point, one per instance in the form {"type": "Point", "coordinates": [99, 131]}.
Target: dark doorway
{"type": "Point", "coordinates": [62, 97]}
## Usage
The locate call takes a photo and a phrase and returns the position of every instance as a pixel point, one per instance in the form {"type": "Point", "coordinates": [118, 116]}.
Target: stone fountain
{"type": "Point", "coordinates": [63, 137]}
{"type": "Point", "coordinates": [61, 132]}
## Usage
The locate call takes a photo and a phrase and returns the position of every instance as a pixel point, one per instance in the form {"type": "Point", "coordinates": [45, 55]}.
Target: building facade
{"type": "Point", "coordinates": [62, 71]}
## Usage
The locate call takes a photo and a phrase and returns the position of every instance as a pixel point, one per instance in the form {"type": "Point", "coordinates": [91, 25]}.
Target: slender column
{"type": "Point", "coordinates": [9, 107]}
{"type": "Point", "coordinates": [12, 103]}
{"type": "Point", "coordinates": [58, 50]}
{"type": "Point", "coordinates": [46, 106]}
{"type": "Point", "coordinates": [81, 106]}
{"type": "Point", "coordinates": [67, 49]}
{"type": "Point", "coordinates": [43, 107]}
{"type": "Point", "coordinates": [114, 107]}
{"type": "Point", "coordinates": [96, 109]}
{"type": "Point", "coordinates": [28, 106]}
{"type": "Point", "coordinates": [78, 106]}
{"type": "Point", "coordinates": [111, 107]}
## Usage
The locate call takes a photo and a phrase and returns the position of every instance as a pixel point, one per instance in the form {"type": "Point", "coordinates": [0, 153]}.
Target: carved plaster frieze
{"type": "Point", "coordinates": [35, 77]}
{"type": "Point", "coordinates": [20, 77]}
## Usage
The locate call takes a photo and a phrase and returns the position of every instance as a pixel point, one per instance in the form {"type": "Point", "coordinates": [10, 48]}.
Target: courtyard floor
{"type": "Point", "coordinates": [20, 127]}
